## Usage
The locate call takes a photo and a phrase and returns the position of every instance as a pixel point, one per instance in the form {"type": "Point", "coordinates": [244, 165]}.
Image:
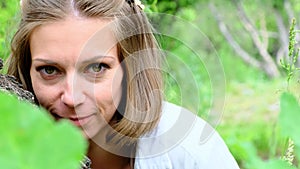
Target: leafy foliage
{"type": "Point", "coordinates": [30, 139]}
{"type": "Point", "coordinates": [253, 144]}
{"type": "Point", "coordinates": [289, 119]}
{"type": "Point", "coordinates": [290, 65]}
{"type": "Point", "coordinates": [289, 116]}
{"type": "Point", "coordinates": [8, 19]}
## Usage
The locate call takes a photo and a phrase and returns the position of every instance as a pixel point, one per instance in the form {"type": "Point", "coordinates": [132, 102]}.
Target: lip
{"type": "Point", "coordinates": [77, 121]}
{"type": "Point", "coordinates": [80, 121]}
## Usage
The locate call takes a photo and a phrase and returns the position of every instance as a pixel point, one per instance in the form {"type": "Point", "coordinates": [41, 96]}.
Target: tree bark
{"type": "Point", "coordinates": [264, 33]}
{"type": "Point", "coordinates": [269, 64]}
{"type": "Point", "coordinates": [283, 36]}
{"type": "Point", "coordinates": [237, 48]}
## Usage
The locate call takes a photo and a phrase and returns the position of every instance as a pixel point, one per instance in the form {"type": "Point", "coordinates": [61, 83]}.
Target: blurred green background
{"type": "Point", "coordinates": [249, 38]}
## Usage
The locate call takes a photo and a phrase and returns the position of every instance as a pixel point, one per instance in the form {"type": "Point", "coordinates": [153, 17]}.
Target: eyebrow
{"type": "Point", "coordinates": [45, 61]}
{"type": "Point", "coordinates": [98, 57]}
{"type": "Point", "coordinates": [84, 62]}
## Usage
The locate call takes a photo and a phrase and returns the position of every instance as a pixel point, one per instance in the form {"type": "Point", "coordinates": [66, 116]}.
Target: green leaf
{"type": "Point", "coordinates": [289, 117]}
{"type": "Point", "coordinates": [31, 139]}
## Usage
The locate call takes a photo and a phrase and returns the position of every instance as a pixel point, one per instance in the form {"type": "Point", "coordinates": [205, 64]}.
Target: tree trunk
{"type": "Point", "coordinates": [266, 63]}
{"type": "Point", "coordinates": [269, 64]}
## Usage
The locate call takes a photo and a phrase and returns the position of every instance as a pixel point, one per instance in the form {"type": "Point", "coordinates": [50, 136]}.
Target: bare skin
{"type": "Point", "coordinates": [79, 83]}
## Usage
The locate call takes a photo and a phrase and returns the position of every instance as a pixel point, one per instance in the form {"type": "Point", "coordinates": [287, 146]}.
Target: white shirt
{"type": "Point", "coordinates": [182, 140]}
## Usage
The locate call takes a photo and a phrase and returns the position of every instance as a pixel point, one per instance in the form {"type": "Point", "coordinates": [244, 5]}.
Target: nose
{"type": "Point", "coordinates": [72, 94]}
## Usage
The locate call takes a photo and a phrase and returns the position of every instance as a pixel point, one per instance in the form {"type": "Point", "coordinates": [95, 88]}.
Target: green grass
{"type": "Point", "coordinates": [250, 119]}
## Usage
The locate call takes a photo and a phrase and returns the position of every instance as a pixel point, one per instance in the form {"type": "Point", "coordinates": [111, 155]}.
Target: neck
{"type": "Point", "coordinates": [103, 159]}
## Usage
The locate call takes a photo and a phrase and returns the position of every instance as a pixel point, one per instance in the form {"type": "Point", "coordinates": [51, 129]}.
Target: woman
{"type": "Point", "coordinates": [96, 63]}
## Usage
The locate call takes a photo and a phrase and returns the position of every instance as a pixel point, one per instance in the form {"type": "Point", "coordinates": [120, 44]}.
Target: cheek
{"type": "Point", "coordinates": [40, 93]}
{"type": "Point", "coordinates": [36, 86]}
{"type": "Point", "coordinates": [108, 97]}
{"type": "Point", "coordinates": [117, 88]}
{"type": "Point", "coordinates": [107, 101]}
{"type": "Point", "coordinates": [43, 93]}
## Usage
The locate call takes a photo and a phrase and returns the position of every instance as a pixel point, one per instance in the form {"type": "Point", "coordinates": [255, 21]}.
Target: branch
{"type": "Point", "coordinates": [280, 53]}
{"type": "Point", "coordinates": [271, 67]}
{"type": "Point", "coordinates": [283, 36]}
{"type": "Point", "coordinates": [237, 48]}
{"type": "Point", "coordinates": [269, 33]}
{"type": "Point", "coordinates": [264, 32]}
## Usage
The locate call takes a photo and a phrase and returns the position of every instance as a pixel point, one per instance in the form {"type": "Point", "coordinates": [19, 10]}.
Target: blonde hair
{"type": "Point", "coordinates": [142, 80]}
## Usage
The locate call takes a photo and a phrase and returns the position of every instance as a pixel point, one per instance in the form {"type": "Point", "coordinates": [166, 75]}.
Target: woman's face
{"type": "Point", "coordinates": [76, 73]}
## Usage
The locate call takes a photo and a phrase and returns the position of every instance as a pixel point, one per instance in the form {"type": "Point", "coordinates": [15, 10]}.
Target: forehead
{"type": "Point", "coordinates": [73, 36]}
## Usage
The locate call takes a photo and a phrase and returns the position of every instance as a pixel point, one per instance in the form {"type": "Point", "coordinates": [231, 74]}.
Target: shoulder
{"type": "Point", "coordinates": [183, 140]}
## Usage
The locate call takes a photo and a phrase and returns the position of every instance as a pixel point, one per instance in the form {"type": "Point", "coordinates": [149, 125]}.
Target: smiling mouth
{"type": "Point", "coordinates": [77, 121]}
